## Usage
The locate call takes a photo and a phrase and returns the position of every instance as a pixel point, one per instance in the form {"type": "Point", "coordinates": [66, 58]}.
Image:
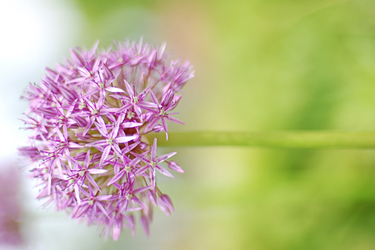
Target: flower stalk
{"type": "Point", "coordinates": [287, 139]}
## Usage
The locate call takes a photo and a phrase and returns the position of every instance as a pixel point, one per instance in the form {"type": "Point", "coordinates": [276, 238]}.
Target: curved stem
{"type": "Point", "coordinates": [290, 139]}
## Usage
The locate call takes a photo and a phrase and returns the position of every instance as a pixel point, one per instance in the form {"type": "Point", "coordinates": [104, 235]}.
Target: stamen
{"type": "Point", "coordinates": [135, 99]}
{"type": "Point", "coordinates": [128, 168]}
{"type": "Point", "coordinates": [129, 196]}
{"type": "Point", "coordinates": [82, 105]}
{"type": "Point", "coordinates": [109, 141]}
{"type": "Point", "coordinates": [130, 115]}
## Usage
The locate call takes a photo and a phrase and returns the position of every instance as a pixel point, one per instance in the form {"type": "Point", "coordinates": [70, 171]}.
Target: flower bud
{"type": "Point", "coordinates": [174, 166]}
{"type": "Point", "coordinates": [158, 128]}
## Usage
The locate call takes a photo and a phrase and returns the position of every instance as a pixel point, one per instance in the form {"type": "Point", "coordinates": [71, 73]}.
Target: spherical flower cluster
{"type": "Point", "coordinates": [89, 118]}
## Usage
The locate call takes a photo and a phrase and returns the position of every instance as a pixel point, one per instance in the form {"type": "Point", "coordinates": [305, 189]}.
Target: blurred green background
{"type": "Point", "coordinates": [260, 65]}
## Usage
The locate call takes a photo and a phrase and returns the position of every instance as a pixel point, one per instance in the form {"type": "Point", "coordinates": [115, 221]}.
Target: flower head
{"type": "Point", "coordinates": [88, 119]}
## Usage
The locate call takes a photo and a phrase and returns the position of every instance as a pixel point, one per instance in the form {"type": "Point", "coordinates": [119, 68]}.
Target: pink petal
{"type": "Point", "coordinates": [175, 120]}
{"type": "Point", "coordinates": [105, 154]}
{"type": "Point", "coordinates": [115, 90]}
{"type": "Point", "coordinates": [164, 157]}
{"type": "Point", "coordinates": [97, 171]}
{"type": "Point", "coordinates": [145, 224]}
{"type": "Point", "coordinates": [117, 177]}
{"type": "Point", "coordinates": [174, 166]}
{"type": "Point", "coordinates": [140, 190]}
{"type": "Point", "coordinates": [153, 149]}
{"type": "Point", "coordinates": [167, 201]}
{"type": "Point", "coordinates": [129, 88]}
{"type": "Point", "coordinates": [164, 171]}
{"type": "Point", "coordinates": [124, 139]}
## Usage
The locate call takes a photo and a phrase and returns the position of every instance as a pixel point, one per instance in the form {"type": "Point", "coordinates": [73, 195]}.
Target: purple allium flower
{"type": "Point", "coordinates": [88, 119]}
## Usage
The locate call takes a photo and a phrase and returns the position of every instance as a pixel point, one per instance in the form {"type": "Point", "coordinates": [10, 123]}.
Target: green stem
{"type": "Point", "coordinates": [291, 139]}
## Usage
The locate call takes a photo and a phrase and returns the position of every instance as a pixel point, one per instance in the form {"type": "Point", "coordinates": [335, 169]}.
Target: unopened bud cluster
{"type": "Point", "coordinates": [88, 119]}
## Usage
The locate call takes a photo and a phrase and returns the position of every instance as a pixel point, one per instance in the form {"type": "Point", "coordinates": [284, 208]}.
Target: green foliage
{"type": "Point", "coordinates": [95, 10]}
